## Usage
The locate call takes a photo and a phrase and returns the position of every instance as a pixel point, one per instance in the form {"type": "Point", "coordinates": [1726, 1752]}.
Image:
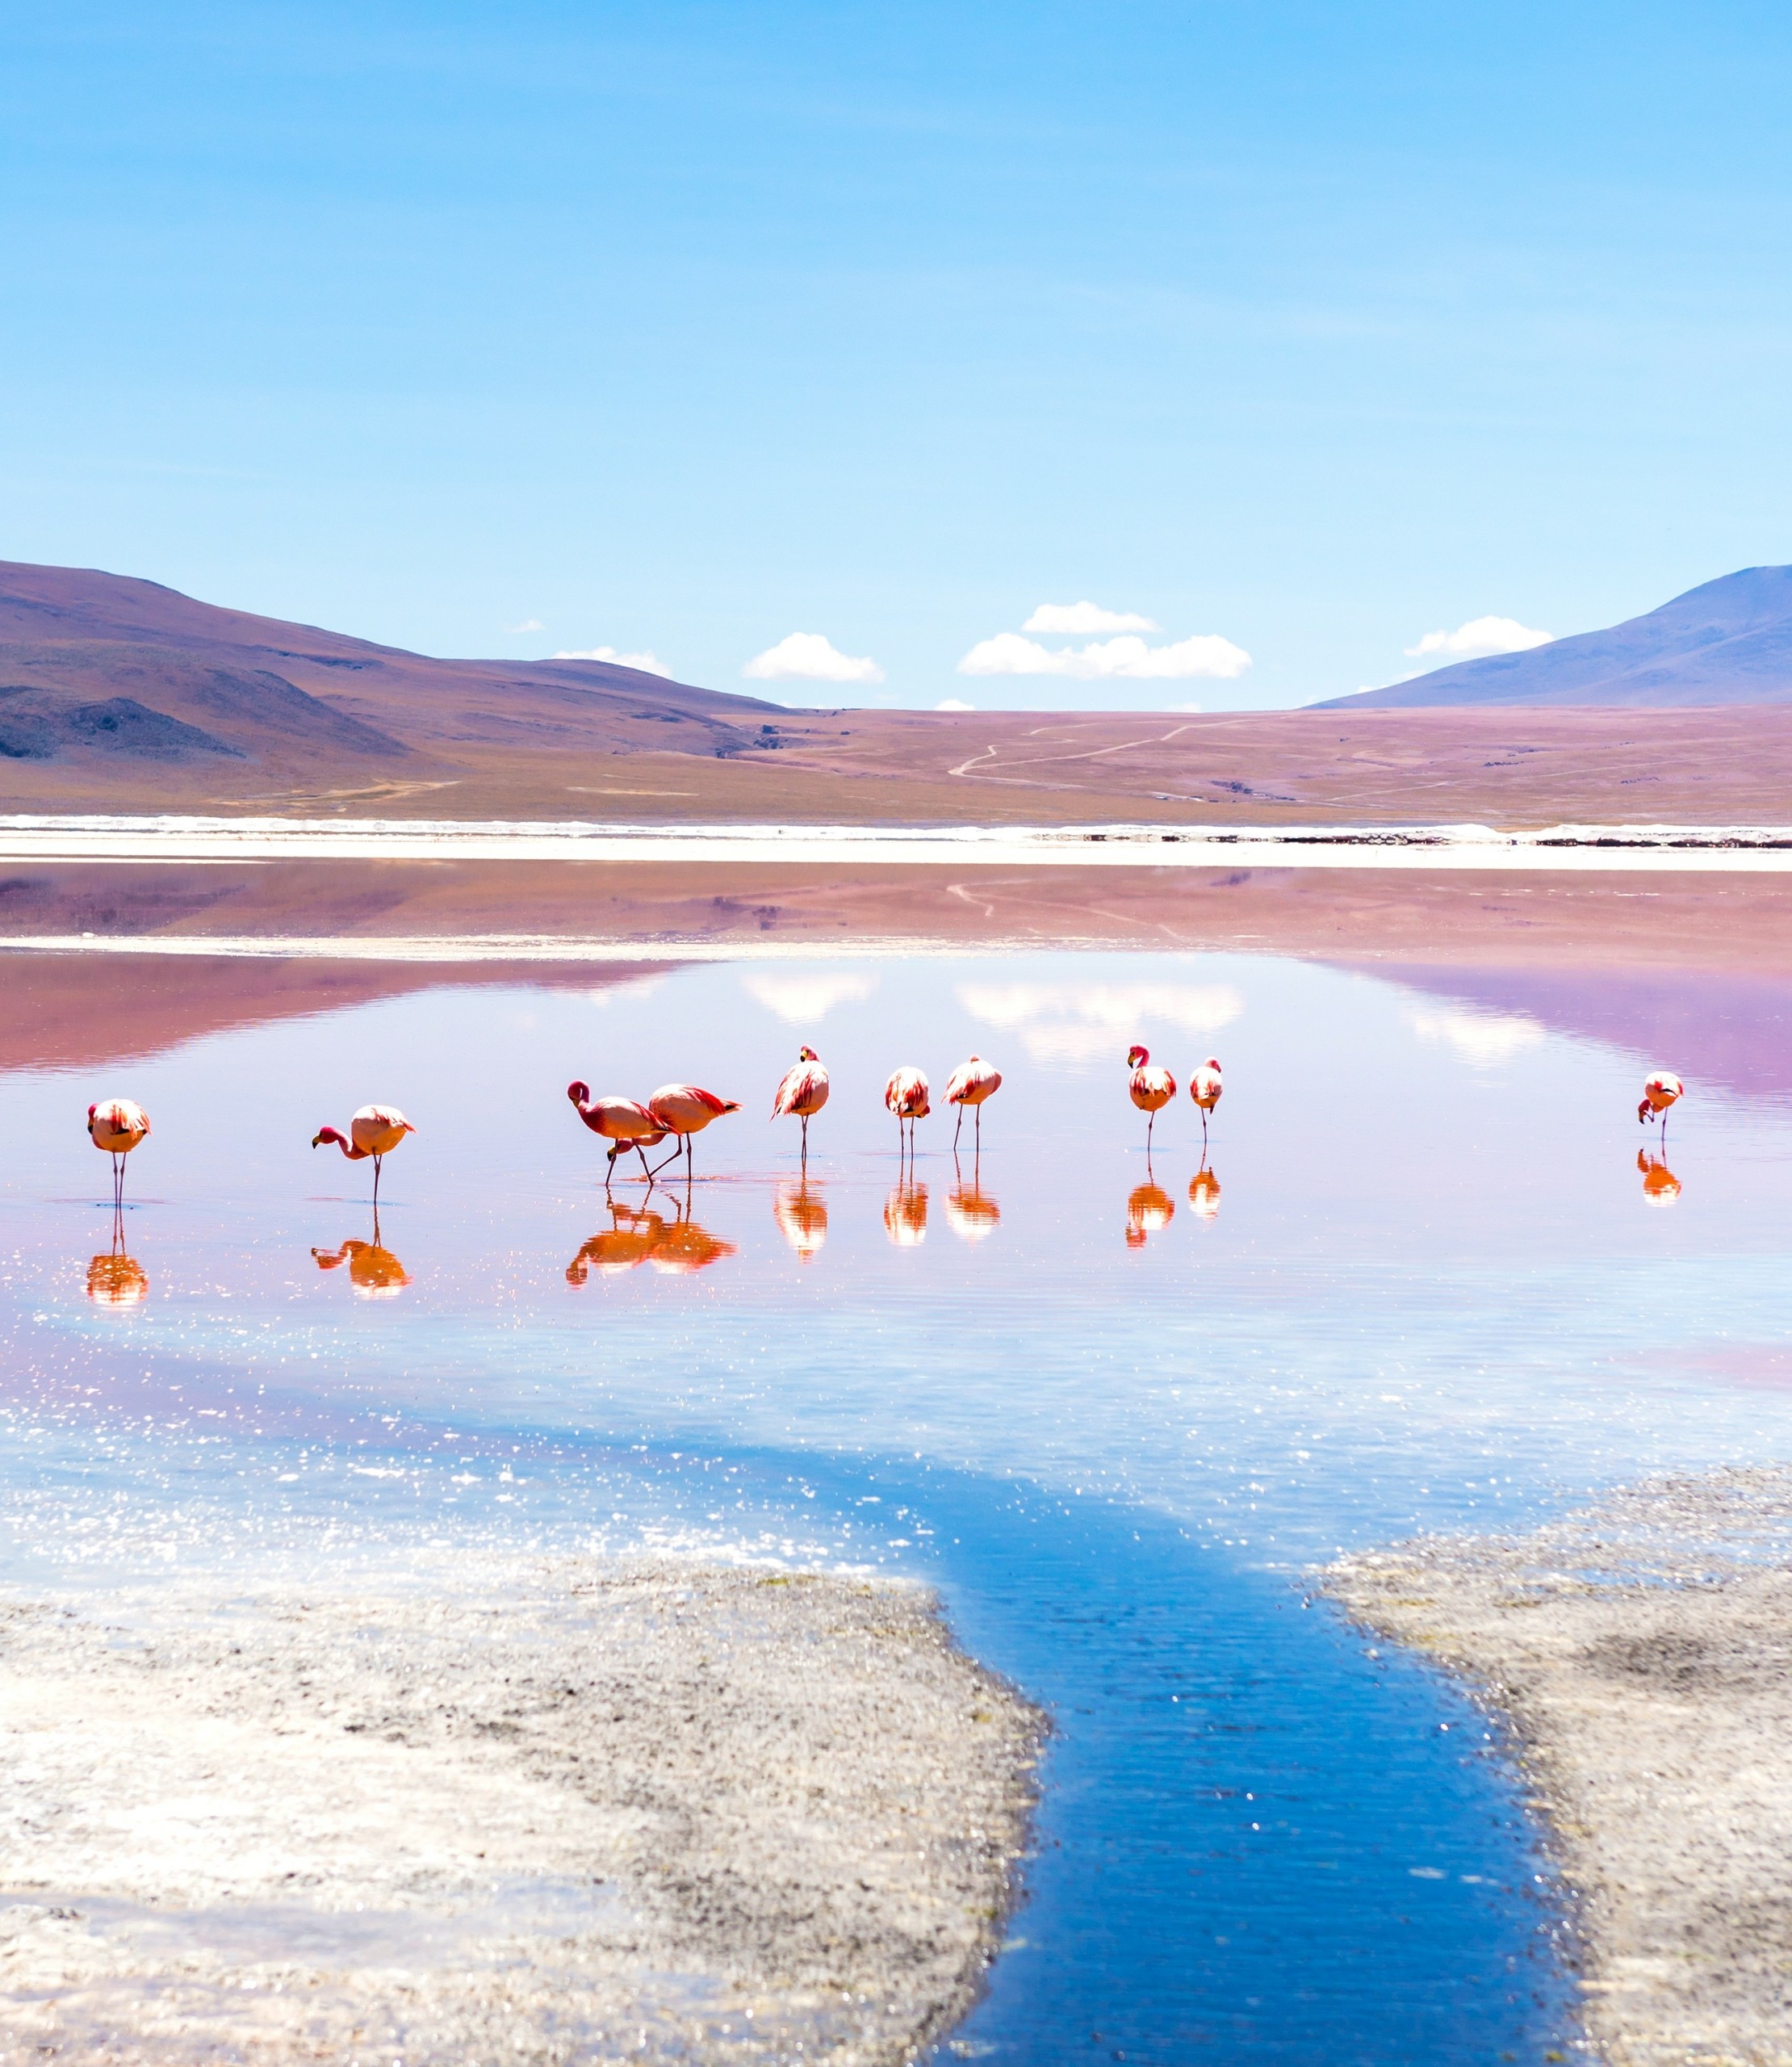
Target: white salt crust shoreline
{"type": "Point", "coordinates": [577, 1812]}
{"type": "Point", "coordinates": [1641, 1651]}
{"type": "Point", "coordinates": [1683, 849]}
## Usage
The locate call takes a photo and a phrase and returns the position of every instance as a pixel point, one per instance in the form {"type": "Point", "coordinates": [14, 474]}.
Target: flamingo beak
{"type": "Point", "coordinates": [317, 1141]}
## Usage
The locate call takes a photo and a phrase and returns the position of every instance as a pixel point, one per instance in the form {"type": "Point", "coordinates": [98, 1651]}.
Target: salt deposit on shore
{"type": "Point", "coordinates": [170, 838]}
{"type": "Point", "coordinates": [578, 1812]}
{"type": "Point", "coordinates": [1643, 1650]}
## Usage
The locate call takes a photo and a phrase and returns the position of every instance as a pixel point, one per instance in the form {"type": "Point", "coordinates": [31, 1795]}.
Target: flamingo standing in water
{"type": "Point", "coordinates": [1661, 1088]}
{"type": "Point", "coordinates": [1151, 1087]}
{"type": "Point", "coordinates": [686, 1110]}
{"type": "Point", "coordinates": [906, 1095]}
{"type": "Point", "coordinates": [624, 1122]}
{"type": "Point", "coordinates": [1205, 1088]}
{"type": "Point", "coordinates": [375, 1130]}
{"type": "Point", "coordinates": [970, 1085]}
{"type": "Point", "coordinates": [803, 1092]}
{"type": "Point", "coordinates": [117, 1126]}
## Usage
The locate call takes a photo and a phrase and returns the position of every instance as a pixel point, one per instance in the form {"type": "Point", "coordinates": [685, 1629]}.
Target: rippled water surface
{"type": "Point", "coordinates": [1115, 1410]}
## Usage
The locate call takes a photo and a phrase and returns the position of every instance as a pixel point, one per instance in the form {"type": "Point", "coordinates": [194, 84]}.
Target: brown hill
{"type": "Point", "coordinates": [103, 671]}
{"type": "Point", "coordinates": [120, 695]}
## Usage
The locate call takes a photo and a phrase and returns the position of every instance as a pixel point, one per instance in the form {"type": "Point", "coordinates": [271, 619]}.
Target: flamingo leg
{"type": "Point", "coordinates": [805, 1141]}
{"type": "Point", "coordinates": [378, 1160]}
{"type": "Point", "coordinates": [978, 1132]}
{"type": "Point", "coordinates": [957, 1130]}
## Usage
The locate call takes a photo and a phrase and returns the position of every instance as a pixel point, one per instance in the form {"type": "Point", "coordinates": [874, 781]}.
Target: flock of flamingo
{"type": "Point", "coordinates": [679, 1111]}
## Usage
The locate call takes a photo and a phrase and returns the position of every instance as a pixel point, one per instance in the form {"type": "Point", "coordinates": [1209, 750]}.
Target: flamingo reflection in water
{"type": "Point", "coordinates": [676, 1246]}
{"type": "Point", "coordinates": [374, 1273]}
{"type": "Point", "coordinates": [906, 1213]}
{"type": "Point", "coordinates": [1660, 1186]}
{"type": "Point", "coordinates": [802, 1215]}
{"type": "Point", "coordinates": [1150, 1209]}
{"type": "Point", "coordinates": [971, 1213]}
{"type": "Point", "coordinates": [115, 1278]}
{"type": "Point", "coordinates": [1203, 1194]}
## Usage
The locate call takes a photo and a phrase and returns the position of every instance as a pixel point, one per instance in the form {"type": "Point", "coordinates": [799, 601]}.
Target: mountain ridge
{"type": "Point", "coordinates": [1726, 642]}
{"type": "Point", "coordinates": [297, 697]}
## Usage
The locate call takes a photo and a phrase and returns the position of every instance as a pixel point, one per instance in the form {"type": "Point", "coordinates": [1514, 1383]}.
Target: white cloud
{"type": "Point", "coordinates": [1483, 1039]}
{"type": "Point", "coordinates": [648, 663]}
{"type": "Point", "coordinates": [528, 624]}
{"type": "Point", "coordinates": [809, 656]}
{"type": "Point", "coordinates": [1086, 1023]}
{"type": "Point", "coordinates": [1078, 620]}
{"type": "Point", "coordinates": [1126, 659]}
{"type": "Point", "coordinates": [802, 1000]}
{"type": "Point", "coordinates": [952, 703]}
{"type": "Point", "coordinates": [1480, 636]}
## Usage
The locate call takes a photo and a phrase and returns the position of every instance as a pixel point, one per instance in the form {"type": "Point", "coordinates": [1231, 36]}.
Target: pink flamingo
{"type": "Point", "coordinates": [624, 1122]}
{"type": "Point", "coordinates": [970, 1085]}
{"type": "Point", "coordinates": [117, 1126]}
{"type": "Point", "coordinates": [686, 1110]}
{"type": "Point", "coordinates": [374, 1130]}
{"type": "Point", "coordinates": [1661, 1088]}
{"type": "Point", "coordinates": [1205, 1088]}
{"type": "Point", "coordinates": [803, 1092]}
{"type": "Point", "coordinates": [906, 1095]}
{"type": "Point", "coordinates": [1151, 1087]}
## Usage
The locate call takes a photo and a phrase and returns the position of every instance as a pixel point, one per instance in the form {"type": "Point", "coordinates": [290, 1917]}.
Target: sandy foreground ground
{"type": "Point", "coordinates": [576, 1811]}
{"type": "Point", "coordinates": [1642, 1648]}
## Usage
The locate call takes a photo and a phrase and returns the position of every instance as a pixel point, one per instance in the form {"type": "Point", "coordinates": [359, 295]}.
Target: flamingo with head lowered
{"type": "Point", "coordinates": [1205, 1088]}
{"type": "Point", "coordinates": [970, 1084]}
{"type": "Point", "coordinates": [1661, 1089]}
{"type": "Point", "coordinates": [375, 1130]}
{"type": "Point", "coordinates": [624, 1122]}
{"type": "Point", "coordinates": [686, 1110]}
{"type": "Point", "coordinates": [803, 1092]}
{"type": "Point", "coordinates": [117, 1126]}
{"type": "Point", "coordinates": [907, 1096]}
{"type": "Point", "coordinates": [1151, 1087]}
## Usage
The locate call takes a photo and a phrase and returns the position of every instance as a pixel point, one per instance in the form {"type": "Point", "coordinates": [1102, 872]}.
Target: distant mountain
{"type": "Point", "coordinates": [1727, 641]}
{"type": "Point", "coordinates": [102, 670]}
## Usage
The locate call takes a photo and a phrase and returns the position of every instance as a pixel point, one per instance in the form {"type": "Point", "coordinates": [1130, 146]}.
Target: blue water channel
{"type": "Point", "coordinates": [1117, 1413]}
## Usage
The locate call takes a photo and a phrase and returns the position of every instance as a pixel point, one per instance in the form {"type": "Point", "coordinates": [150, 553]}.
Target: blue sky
{"type": "Point", "coordinates": [1304, 331]}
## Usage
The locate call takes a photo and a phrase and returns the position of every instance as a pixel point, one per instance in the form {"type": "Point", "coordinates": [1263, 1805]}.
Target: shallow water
{"type": "Point", "coordinates": [1114, 1409]}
